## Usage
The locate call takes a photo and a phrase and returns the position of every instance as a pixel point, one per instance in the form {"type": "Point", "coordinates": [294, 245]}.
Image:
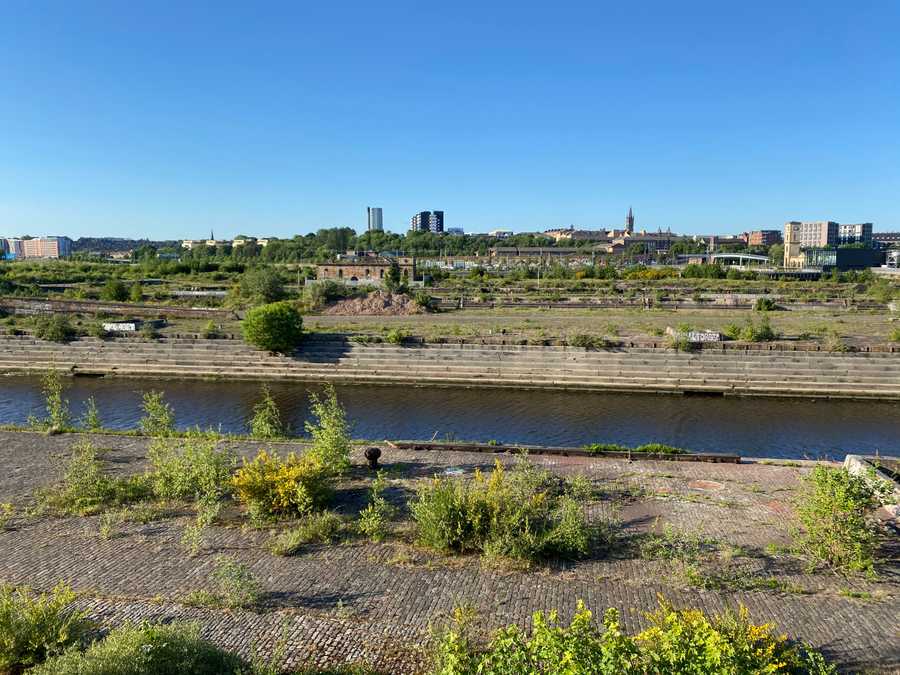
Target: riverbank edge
{"type": "Point", "coordinates": [438, 446]}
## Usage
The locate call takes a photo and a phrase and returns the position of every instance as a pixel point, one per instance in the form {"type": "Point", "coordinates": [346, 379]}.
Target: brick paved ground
{"type": "Point", "coordinates": [373, 602]}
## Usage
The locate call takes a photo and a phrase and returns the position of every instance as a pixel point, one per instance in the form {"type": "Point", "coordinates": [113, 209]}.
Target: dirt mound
{"type": "Point", "coordinates": [377, 303]}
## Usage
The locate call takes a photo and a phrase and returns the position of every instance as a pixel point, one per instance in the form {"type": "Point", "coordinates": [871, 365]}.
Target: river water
{"type": "Point", "coordinates": [752, 427]}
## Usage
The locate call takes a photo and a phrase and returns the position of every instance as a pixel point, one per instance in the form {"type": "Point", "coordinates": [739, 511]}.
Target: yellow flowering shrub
{"type": "Point", "coordinates": [270, 486]}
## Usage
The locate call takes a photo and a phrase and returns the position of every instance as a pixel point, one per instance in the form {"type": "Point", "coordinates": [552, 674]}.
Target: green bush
{"type": "Point", "coordinates": [318, 528]}
{"type": "Point", "coordinates": [159, 418]}
{"type": "Point", "coordinates": [373, 520]}
{"type": "Point", "coordinates": [147, 649]}
{"type": "Point", "coordinates": [425, 301]}
{"type": "Point", "coordinates": [277, 327]}
{"type": "Point", "coordinates": [209, 330]}
{"type": "Point", "coordinates": [114, 291]}
{"type": "Point", "coordinates": [677, 641]}
{"type": "Point", "coordinates": [519, 514]}
{"type": "Point", "coordinates": [586, 341]}
{"type": "Point", "coordinates": [894, 335]}
{"type": "Point", "coordinates": [266, 422]}
{"type": "Point", "coordinates": [765, 304]}
{"type": "Point", "coordinates": [396, 336]}
{"type": "Point", "coordinates": [833, 509]}
{"type": "Point", "coordinates": [34, 628]}
{"type": "Point", "coordinates": [53, 328]}
{"type": "Point", "coordinates": [190, 468]}
{"type": "Point", "coordinates": [136, 293]}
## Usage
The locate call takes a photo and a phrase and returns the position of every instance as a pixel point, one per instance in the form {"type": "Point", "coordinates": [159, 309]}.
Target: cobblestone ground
{"type": "Point", "coordinates": [358, 601]}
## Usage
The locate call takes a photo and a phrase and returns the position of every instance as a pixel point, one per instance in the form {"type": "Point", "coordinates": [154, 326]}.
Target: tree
{"type": "Point", "coordinates": [261, 285]}
{"type": "Point", "coordinates": [136, 294]}
{"type": "Point", "coordinates": [393, 278]}
{"type": "Point", "coordinates": [776, 254]}
{"type": "Point", "coordinates": [276, 327]}
{"type": "Point", "coordinates": [114, 291]}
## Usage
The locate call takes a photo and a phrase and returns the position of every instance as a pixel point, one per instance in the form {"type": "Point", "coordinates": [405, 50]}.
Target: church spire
{"type": "Point", "coordinates": [629, 221]}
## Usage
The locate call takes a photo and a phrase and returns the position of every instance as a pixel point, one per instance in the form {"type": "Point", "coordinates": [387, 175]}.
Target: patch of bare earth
{"type": "Point", "coordinates": [377, 303]}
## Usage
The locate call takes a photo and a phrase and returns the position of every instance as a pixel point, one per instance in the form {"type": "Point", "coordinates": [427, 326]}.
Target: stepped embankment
{"type": "Point", "coordinates": [635, 368]}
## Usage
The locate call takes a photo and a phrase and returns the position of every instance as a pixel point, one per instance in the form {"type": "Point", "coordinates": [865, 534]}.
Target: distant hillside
{"type": "Point", "coordinates": [112, 244]}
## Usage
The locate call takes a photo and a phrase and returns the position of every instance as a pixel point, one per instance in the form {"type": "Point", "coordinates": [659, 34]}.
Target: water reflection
{"type": "Point", "coordinates": [751, 427]}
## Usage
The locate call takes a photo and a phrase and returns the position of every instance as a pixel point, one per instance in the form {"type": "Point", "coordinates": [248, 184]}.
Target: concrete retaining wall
{"type": "Point", "coordinates": [874, 375]}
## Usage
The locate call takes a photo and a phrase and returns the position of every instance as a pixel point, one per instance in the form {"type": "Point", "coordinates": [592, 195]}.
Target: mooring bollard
{"type": "Point", "coordinates": [372, 454]}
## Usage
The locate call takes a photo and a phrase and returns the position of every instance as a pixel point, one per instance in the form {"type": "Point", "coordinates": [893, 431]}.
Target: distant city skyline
{"type": "Point", "coordinates": [165, 121]}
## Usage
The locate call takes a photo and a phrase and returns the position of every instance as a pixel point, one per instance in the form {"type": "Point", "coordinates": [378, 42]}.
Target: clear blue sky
{"type": "Point", "coordinates": [165, 119]}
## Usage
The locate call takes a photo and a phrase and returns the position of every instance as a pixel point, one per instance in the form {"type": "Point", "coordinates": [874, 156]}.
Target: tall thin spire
{"type": "Point", "coordinates": [629, 221]}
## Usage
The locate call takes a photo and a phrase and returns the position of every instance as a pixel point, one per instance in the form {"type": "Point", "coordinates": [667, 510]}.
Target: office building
{"type": "Point", "coordinates": [375, 221]}
{"type": "Point", "coordinates": [859, 233]}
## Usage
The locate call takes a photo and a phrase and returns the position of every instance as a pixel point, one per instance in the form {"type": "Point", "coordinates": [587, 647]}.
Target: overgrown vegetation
{"type": "Point", "coordinates": [656, 448]}
{"type": "Point", "coordinates": [85, 487]}
{"type": "Point", "coordinates": [316, 528]}
{"type": "Point", "coordinates": [57, 406]}
{"type": "Point", "coordinates": [677, 641]}
{"type": "Point", "coordinates": [836, 526]}
{"type": "Point", "coordinates": [374, 518]}
{"type": "Point", "coordinates": [521, 514]}
{"type": "Point", "coordinates": [53, 328]}
{"type": "Point", "coordinates": [36, 627]}
{"type": "Point", "coordinates": [147, 649]}
{"type": "Point", "coordinates": [192, 468]}
{"type": "Point", "coordinates": [232, 585]}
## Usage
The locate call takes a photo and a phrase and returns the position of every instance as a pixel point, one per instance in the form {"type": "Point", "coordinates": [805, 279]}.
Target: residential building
{"type": "Point", "coordinates": [436, 221]}
{"type": "Point", "coordinates": [374, 219]}
{"type": "Point", "coordinates": [47, 247]}
{"type": "Point", "coordinates": [764, 238]}
{"type": "Point", "coordinates": [13, 249]}
{"type": "Point", "coordinates": [455, 230]}
{"type": "Point", "coordinates": [420, 221]}
{"type": "Point", "coordinates": [427, 221]}
{"type": "Point", "coordinates": [886, 238]}
{"type": "Point", "coordinates": [860, 233]}
{"type": "Point", "coordinates": [500, 234]}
